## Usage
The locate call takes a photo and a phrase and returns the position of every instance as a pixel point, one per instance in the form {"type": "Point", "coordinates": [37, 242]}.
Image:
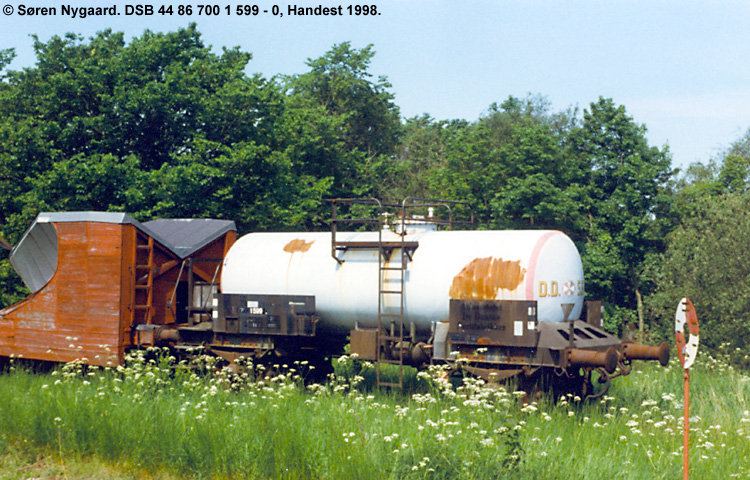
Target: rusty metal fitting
{"type": "Point", "coordinates": [418, 354]}
{"type": "Point", "coordinates": [591, 358]}
{"type": "Point", "coordinates": [166, 335]}
{"type": "Point", "coordinates": [634, 351]}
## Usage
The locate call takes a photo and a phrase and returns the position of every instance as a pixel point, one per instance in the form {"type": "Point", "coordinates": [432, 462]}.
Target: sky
{"type": "Point", "coordinates": [681, 68]}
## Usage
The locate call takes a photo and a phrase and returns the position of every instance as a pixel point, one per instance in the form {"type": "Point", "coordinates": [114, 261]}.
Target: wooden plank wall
{"type": "Point", "coordinates": [77, 314]}
{"type": "Point", "coordinates": [127, 287]}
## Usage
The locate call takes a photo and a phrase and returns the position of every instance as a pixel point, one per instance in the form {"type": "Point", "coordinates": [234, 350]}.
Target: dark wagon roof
{"type": "Point", "coordinates": [185, 236]}
{"type": "Point", "coordinates": [35, 256]}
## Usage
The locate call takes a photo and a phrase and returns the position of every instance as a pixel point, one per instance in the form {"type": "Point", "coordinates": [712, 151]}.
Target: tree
{"type": "Point", "coordinates": [421, 152]}
{"type": "Point", "coordinates": [510, 165]}
{"type": "Point", "coordinates": [541, 185]}
{"type": "Point", "coordinates": [6, 56]}
{"type": "Point", "coordinates": [706, 258]}
{"type": "Point", "coordinates": [734, 174]}
{"type": "Point", "coordinates": [626, 199]}
{"type": "Point", "coordinates": [162, 127]}
{"type": "Point", "coordinates": [340, 84]}
{"type": "Point", "coordinates": [708, 261]}
{"type": "Point", "coordinates": [98, 124]}
{"type": "Point", "coordinates": [342, 120]}
{"type": "Point", "coordinates": [727, 173]}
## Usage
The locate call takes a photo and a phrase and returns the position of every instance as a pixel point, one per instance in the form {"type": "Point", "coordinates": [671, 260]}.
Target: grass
{"type": "Point", "coordinates": [156, 418]}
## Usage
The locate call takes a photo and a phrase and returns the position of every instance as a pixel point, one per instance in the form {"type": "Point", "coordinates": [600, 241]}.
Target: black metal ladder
{"type": "Point", "coordinates": [392, 340]}
{"type": "Point", "coordinates": [390, 331]}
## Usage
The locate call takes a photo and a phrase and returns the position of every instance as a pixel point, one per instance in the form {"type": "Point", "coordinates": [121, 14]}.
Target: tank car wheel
{"type": "Point", "coordinates": [558, 383]}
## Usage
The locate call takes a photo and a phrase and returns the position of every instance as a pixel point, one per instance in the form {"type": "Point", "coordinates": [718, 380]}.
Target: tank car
{"type": "Point", "coordinates": [499, 304]}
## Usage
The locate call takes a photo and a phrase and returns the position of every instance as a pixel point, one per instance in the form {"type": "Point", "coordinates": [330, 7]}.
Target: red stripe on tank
{"type": "Point", "coordinates": [531, 269]}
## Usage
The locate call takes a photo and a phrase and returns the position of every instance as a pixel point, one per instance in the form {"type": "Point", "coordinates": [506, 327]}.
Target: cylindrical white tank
{"type": "Point", "coordinates": [542, 265]}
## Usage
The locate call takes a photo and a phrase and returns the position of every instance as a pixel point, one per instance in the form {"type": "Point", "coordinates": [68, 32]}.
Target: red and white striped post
{"type": "Point", "coordinates": [687, 351]}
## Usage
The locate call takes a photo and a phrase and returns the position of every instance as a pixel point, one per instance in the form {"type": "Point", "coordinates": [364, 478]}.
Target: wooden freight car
{"type": "Point", "coordinates": [103, 282]}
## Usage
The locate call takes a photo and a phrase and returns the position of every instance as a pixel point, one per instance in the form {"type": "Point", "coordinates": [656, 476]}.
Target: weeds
{"type": "Point", "coordinates": [250, 421]}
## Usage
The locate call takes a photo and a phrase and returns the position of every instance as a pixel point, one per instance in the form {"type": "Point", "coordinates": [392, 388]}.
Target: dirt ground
{"type": "Point", "coordinates": [21, 465]}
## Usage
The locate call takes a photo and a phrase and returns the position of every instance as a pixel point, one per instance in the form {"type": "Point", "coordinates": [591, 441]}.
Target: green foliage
{"type": "Point", "coordinates": [344, 126]}
{"type": "Point", "coordinates": [697, 182]}
{"type": "Point", "coordinates": [734, 174]}
{"type": "Point", "coordinates": [163, 127]}
{"type": "Point", "coordinates": [705, 258]}
{"type": "Point", "coordinates": [708, 261]}
{"type": "Point", "coordinates": [11, 288]}
{"type": "Point", "coordinates": [626, 200]}
{"type": "Point", "coordinates": [422, 151]}
{"type": "Point", "coordinates": [339, 85]}
{"type": "Point", "coordinates": [510, 165]}
{"type": "Point", "coordinates": [6, 57]}
{"type": "Point", "coordinates": [157, 127]}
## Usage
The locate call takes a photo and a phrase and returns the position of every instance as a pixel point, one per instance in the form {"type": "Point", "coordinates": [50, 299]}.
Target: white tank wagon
{"type": "Point", "coordinates": [539, 265]}
{"type": "Point", "coordinates": [496, 303]}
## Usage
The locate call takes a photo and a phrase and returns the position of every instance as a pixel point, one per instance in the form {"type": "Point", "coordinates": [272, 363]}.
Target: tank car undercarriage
{"type": "Point", "coordinates": [501, 339]}
{"type": "Point", "coordinates": [495, 340]}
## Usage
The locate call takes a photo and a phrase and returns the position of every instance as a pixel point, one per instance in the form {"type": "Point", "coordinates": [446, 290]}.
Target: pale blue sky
{"type": "Point", "coordinates": [682, 68]}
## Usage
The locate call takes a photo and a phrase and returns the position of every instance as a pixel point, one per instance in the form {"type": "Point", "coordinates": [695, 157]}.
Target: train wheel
{"type": "Point", "coordinates": [549, 381]}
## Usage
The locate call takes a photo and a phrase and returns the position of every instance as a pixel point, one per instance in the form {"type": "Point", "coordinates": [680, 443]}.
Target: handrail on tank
{"type": "Point", "coordinates": [334, 220]}
{"type": "Point", "coordinates": [410, 202]}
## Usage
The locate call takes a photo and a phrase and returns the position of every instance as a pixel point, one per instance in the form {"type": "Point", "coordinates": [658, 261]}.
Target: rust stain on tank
{"type": "Point", "coordinates": [298, 245]}
{"type": "Point", "coordinates": [482, 278]}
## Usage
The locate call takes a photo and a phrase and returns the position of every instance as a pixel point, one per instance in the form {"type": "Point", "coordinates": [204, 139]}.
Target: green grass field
{"type": "Point", "coordinates": [155, 419]}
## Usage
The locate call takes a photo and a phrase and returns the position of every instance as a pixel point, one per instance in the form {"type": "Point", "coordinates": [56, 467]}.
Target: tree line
{"type": "Point", "coordinates": [161, 126]}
